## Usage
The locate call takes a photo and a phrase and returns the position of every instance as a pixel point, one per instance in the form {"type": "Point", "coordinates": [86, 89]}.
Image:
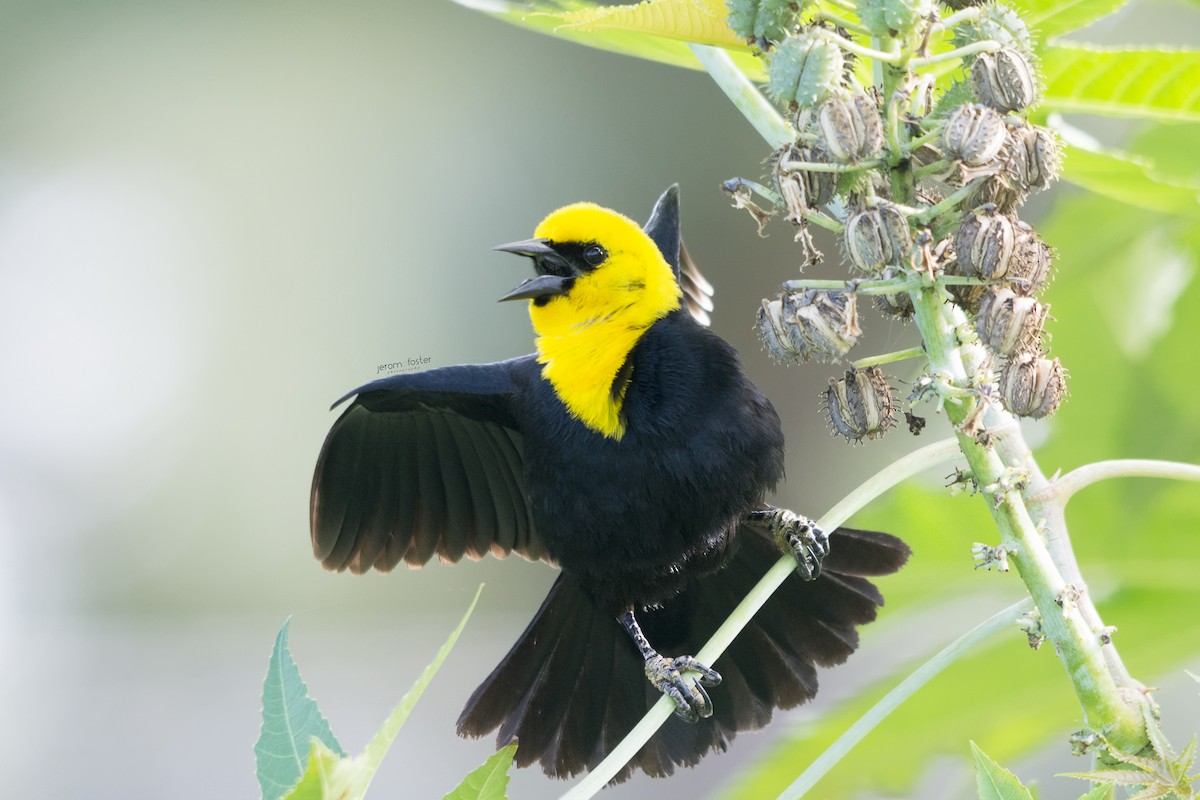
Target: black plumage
{"type": "Point", "coordinates": [467, 460]}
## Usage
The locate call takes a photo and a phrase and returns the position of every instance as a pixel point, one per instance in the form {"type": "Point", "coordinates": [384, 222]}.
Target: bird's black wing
{"type": "Point", "coordinates": [424, 463]}
{"type": "Point", "coordinates": [663, 228]}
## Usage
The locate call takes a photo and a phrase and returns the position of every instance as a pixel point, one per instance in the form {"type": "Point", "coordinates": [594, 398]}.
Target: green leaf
{"type": "Point", "coordinates": [700, 21]}
{"type": "Point", "coordinates": [1152, 84]}
{"type": "Point", "coordinates": [552, 20]}
{"type": "Point", "coordinates": [382, 740]}
{"type": "Point", "coordinates": [1130, 180]}
{"type": "Point", "coordinates": [489, 781]}
{"type": "Point", "coordinates": [330, 776]}
{"type": "Point", "coordinates": [994, 782]}
{"type": "Point", "coordinates": [1117, 777]}
{"type": "Point", "coordinates": [1052, 18]}
{"type": "Point", "coordinates": [1103, 791]}
{"type": "Point", "coordinates": [290, 720]}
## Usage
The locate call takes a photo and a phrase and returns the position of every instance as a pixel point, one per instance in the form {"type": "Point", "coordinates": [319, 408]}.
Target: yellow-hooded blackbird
{"type": "Point", "coordinates": [631, 452]}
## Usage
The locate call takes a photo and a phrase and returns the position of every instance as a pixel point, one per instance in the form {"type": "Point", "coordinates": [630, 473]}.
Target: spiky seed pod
{"type": "Point", "coordinates": [861, 405]}
{"type": "Point", "coordinates": [850, 128]}
{"type": "Point", "coordinates": [1004, 80]}
{"type": "Point", "coordinates": [1032, 385]}
{"type": "Point", "coordinates": [894, 305]}
{"type": "Point", "coordinates": [811, 325]}
{"type": "Point", "coordinates": [802, 189]}
{"type": "Point", "coordinates": [1033, 159]}
{"type": "Point", "coordinates": [877, 237]}
{"type": "Point", "coordinates": [1029, 268]}
{"type": "Point", "coordinates": [888, 17]}
{"type": "Point", "coordinates": [985, 243]}
{"type": "Point", "coordinates": [804, 70]}
{"type": "Point", "coordinates": [773, 332]}
{"type": "Point", "coordinates": [764, 22]}
{"type": "Point", "coordinates": [974, 134]}
{"type": "Point", "coordinates": [1008, 322]}
{"type": "Point", "coordinates": [996, 23]}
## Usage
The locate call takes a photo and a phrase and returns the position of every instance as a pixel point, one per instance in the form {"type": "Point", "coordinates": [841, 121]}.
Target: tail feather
{"type": "Point", "coordinates": [574, 685]}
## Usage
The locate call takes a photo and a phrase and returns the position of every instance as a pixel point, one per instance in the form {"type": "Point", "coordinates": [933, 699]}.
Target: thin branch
{"type": "Point", "coordinates": [888, 358]}
{"type": "Point", "coordinates": [882, 481]}
{"type": "Point", "coordinates": [897, 696]}
{"type": "Point", "coordinates": [1066, 486]}
{"type": "Point", "coordinates": [745, 95]}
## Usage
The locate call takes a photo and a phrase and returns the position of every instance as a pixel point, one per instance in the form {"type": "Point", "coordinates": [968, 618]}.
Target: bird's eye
{"type": "Point", "coordinates": [594, 255]}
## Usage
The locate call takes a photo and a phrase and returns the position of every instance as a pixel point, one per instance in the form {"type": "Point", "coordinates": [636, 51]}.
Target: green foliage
{"type": "Point", "coordinates": [994, 782]}
{"type": "Point", "coordinates": [1150, 84]}
{"type": "Point", "coordinates": [292, 724]}
{"type": "Point", "coordinates": [489, 781]}
{"type": "Point", "coordinates": [291, 720]}
{"type": "Point", "coordinates": [1050, 19]}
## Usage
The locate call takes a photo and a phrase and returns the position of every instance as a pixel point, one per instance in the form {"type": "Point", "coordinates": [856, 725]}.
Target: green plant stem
{"type": "Point", "coordinates": [899, 471]}
{"type": "Point", "coordinates": [1065, 487]}
{"type": "Point", "coordinates": [744, 95]}
{"type": "Point", "coordinates": [986, 46]}
{"type": "Point", "coordinates": [964, 644]}
{"type": "Point", "coordinates": [1075, 633]}
{"type": "Point", "coordinates": [888, 358]}
{"type": "Point", "coordinates": [824, 166]}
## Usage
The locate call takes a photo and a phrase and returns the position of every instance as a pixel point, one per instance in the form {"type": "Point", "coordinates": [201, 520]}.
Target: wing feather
{"type": "Point", "coordinates": [423, 464]}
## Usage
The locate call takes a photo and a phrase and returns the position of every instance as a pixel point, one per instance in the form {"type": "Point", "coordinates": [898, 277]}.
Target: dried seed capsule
{"type": "Point", "coordinates": [850, 129]}
{"type": "Point", "coordinates": [1008, 322]}
{"type": "Point", "coordinates": [802, 189]}
{"type": "Point", "coordinates": [888, 17]}
{"type": "Point", "coordinates": [1032, 385]}
{"type": "Point", "coordinates": [877, 237]}
{"type": "Point", "coordinates": [861, 405]}
{"type": "Point", "coordinates": [763, 22]}
{"type": "Point", "coordinates": [974, 134]}
{"type": "Point", "coordinates": [1033, 159]}
{"type": "Point", "coordinates": [1030, 265]}
{"type": "Point", "coordinates": [985, 243]}
{"type": "Point", "coordinates": [1004, 80]}
{"type": "Point", "coordinates": [802, 326]}
{"type": "Point", "coordinates": [894, 305]}
{"type": "Point", "coordinates": [804, 70]}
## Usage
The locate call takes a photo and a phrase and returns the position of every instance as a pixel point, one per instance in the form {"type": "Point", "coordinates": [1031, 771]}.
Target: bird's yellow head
{"type": "Point", "coordinates": [601, 283]}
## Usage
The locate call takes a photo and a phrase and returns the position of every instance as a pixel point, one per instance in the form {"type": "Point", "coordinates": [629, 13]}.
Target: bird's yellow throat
{"type": "Point", "coordinates": [585, 336]}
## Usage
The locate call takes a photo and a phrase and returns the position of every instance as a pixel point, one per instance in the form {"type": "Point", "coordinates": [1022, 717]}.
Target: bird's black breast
{"type": "Point", "coordinates": [633, 518]}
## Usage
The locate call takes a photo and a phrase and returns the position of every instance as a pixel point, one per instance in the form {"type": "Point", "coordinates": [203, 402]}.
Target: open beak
{"type": "Point", "coordinates": [542, 286]}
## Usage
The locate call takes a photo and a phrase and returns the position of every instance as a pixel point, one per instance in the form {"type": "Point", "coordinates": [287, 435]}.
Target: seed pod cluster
{"type": "Point", "coordinates": [877, 237]}
{"type": "Point", "coordinates": [974, 134]}
{"type": "Point", "coordinates": [763, 22]}
{"type": "Point", "coordinates": [926, 182]}
{"type": "Point", "coordinates": [802, 189]}
{"type": "Point", "coordinates": [850, 128]}
{"type": "Point", "coordinates": [1032, 385]}
{"type": "Point", "coordinates": [861, 404]}
{"type": "Point", "coordinates": [1004, 80]}
{"type": "Point", "coordinates": [797, 327]}
{"type": "Point", "coordinates": [804, 70]}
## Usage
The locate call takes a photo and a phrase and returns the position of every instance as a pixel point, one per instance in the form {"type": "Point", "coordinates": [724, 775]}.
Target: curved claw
{"type": "Point", "coordinates": [687, 691]}
{"type": "Point", "coordinates": [809, 543]}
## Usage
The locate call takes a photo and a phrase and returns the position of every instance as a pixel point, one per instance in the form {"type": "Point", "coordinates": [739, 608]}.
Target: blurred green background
{"type": "Point", "coordinates": [215, 219]}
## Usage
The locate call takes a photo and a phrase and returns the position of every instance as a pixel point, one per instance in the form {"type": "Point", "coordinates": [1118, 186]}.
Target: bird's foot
{"type": "Point", "coordinates": [683, 680]}
{"type": "Point", "coordinates": [796, 535]}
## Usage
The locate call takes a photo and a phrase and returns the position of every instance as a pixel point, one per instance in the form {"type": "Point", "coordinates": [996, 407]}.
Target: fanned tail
{"type": "Point", "coordinates": [574, 684]}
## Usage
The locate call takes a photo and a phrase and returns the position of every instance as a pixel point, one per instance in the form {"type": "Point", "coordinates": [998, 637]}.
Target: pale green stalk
{"type": "Point", "coordinates": [897, 696]}
{"type": "Point", "coordinates": [912, 464]}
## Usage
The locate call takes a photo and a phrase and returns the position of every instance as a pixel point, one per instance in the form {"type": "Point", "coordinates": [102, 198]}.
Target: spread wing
{"type": "Point", "coordinates": [663, 228]}
{"type": "Point", "coordinates": [421, 464]}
